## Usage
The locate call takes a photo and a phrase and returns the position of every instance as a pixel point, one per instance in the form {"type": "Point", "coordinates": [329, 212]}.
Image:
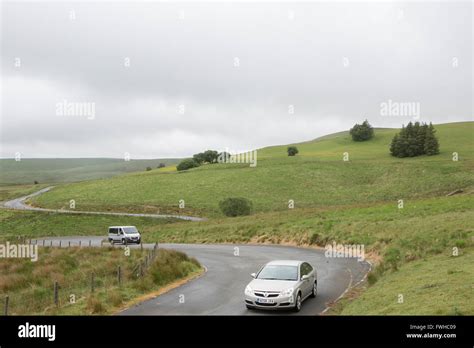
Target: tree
{"type": "Point", "coordinates": [415, 140]}
{"type": "Point", "coordinates": [362, 132]}
{"type": "Point", "coordinates": [431, 146]}
{"type": "Point", "coordinates": [187, 164]}
{"type": "Point", "coordinates": [236, 206]}
{"type": "Point", "coordinates": [292, 150]}
{"type": "Point", "coordinates": [161, 165]}
{"type": "Point", "coordinates": [148, 169]}
{"type": "Point", "coordinates": [199, 157]}
{"type": "Point", "coordinates": [210, 156]}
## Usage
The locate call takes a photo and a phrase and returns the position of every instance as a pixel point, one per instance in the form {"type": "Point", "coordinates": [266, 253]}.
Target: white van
{"type": "Point", "coordinates": [124, 234]}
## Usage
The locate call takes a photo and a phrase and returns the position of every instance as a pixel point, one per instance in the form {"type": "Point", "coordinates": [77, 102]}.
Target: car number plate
{"type": "Point", "coordinates": [265, 300]}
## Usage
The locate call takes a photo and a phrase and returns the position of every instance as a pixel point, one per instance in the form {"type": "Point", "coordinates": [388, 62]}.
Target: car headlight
{"type": "Point", "coordinates": [248, 290]}
{"type": "Point", "coordinates": [287, 292]}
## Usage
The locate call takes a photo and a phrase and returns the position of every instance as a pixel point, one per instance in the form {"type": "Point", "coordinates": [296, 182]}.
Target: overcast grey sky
{"type": "Point", "coordinates": [223, 75]}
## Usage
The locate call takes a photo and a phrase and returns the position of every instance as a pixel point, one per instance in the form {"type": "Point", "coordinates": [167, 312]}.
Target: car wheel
{"type": "Point", "coordinates": [123, 241]}
{"type": "Point", "coordinates": [111, 241]}
{"type": "Point", "coordinates": [298, 302]}
{"type": "Point", "coordinates": [314, 292]}
{"type": "Point", "coordinates": [249, 307]}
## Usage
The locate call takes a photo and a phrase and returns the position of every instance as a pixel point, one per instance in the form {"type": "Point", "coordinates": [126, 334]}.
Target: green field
{"type": "Point", "coordinates": [316, 177]}
{"type": "Point", "coordinates": [56, 170]}
{"type": "Point", "coordinates": [354, 202]}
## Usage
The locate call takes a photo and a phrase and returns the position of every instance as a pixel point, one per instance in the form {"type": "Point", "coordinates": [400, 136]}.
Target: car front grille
{"type": "Point", "coordinates": [268, 294]}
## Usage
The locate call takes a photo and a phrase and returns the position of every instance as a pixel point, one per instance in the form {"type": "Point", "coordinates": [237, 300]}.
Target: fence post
{"type": "Point", "coordinates": [56, 293]}
{"type": "Point", "coordinates": [90, 243]}
{"type": "Point", "coordinates": [92, 282]}
{"type": "Point", "coordinates": [69, 244]}
{"type": "Point", "coordinates": [44, 241]}
{"type": "Point", "coordinates": [119, 275]}
{"type": "Point", "coordinates": [51, 244]}
{"type": "Point", "coordinates": [80, 242]}
{"type": "Point", "coordinates": [141, 246]}
{"type": "Point", "coordinates": [7, 300]}
{"type": "Point", "coordinates": [60, 242]}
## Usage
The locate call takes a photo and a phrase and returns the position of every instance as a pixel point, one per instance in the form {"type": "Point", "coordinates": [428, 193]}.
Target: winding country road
{"type": "Point", "coordinates": [219, 291]}
{"type": "Point", "coordinates": [19, 204]}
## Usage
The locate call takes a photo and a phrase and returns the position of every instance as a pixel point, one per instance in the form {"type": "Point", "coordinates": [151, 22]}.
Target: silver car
{"type": "Point", "coordinates": [281, 284]}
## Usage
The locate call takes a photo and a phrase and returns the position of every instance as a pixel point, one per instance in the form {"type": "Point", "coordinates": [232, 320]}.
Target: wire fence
{"type": "Point", "coordinates": [67, 291]}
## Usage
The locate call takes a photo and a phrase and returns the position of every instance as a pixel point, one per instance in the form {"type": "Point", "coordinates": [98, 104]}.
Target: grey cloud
{"type": "Point", "coordinates": [394, 50]}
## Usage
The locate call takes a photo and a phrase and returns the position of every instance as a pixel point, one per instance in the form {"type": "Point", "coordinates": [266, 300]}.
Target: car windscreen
{"type": "Point", "coordinates": [130, 230]}
{"type": "Point", "coordinates": [279, 272]}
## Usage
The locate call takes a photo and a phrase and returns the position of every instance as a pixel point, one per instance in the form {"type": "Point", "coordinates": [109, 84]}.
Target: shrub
{"type": "Point", "coordinates": [236, 206]}
{"type": "Point", "coordinates": [362, 132]}
{"type": "Point", "coordinates": [148, 169]}
{"type": "Point", "coordinates": [292, 150]}
{"type": "Point", "coordinates": [161, 165]}
{"type": "Point", "coordinates": [187, 164]}
{"type": "Point", "coordinates": [36, 182]}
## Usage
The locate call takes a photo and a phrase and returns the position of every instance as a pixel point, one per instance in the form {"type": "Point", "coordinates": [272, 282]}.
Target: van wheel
{"type": "Point", "coordinates": [123, 241]}
{"type": "Point", "coordinates": [111, 241]}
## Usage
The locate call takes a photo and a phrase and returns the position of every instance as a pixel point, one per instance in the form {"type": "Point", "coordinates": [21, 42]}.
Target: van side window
{"type": "Point", "coordinates": [113, 230]}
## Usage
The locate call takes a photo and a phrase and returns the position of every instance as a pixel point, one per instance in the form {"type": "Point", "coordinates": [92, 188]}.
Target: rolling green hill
{"type": "Point", "coordinates": [55, 170]}
{"type": "Point", "coordinates": [316, 177]}
{"type": "Point", "coordinates": [352, 202]}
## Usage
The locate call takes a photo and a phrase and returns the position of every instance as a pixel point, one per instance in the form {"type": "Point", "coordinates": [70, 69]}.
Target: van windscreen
{"type": "Point", "coordinates": [130, 230]}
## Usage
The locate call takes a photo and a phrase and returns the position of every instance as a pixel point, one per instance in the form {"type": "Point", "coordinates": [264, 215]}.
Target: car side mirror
{"type": "Point", "coordinates": [254, 275]}
{"type": "Point", "coordinates": [305, 277]}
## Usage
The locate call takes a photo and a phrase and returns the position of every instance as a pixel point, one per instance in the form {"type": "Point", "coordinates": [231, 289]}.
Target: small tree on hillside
{"type": "Point", "coordinates": [161, 165]}
{"type": "Point", "coordinates": [199, 157]}
{"type": "Point", "coordinates": [292, 150]}
{"type": "Point", "coordinates": [210, 156]}
{"type": "Point", "coordinates": [362, 132]}
{"type": "Point", "coordinates": [415, 140]}
{"type": "Point", "coordinates": [431, 146]}
{"type": "Point", "coordinates": [187, 164]}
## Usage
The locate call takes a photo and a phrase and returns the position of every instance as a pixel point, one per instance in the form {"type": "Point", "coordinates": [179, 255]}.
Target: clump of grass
{"type": "Point", "coordinates": [171, 264]}
{"type": "Point", "coordinates": [115, 298]}
{"type": "Point", "coordinates": [95, 305]}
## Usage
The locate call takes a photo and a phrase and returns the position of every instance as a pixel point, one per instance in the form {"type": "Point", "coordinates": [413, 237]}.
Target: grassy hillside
{"type": "Point", "coordinates": [441, 285]}
{"type": "Point", "coordinates": [316, 177]}
{"type": "Point", "coordinates": [30, 285]}
{"type": "Point", "coordinates": [351, 202]}
{"type": "Point", "coordinates": [56, 170]}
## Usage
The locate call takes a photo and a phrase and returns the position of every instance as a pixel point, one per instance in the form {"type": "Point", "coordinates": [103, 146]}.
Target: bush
{"type": "Point", "coordinates": [161, 165]}
{"type": "Point", "coordinates": [236, 206]}
{"type": "Point", "coordinates": [362, 132]}
{"type": "Point", "coordinates": [187, 164]}
{"type": "Point", "coordinates": [148, 169]}
{"type": "Point", "coordinates": [292, 150]}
